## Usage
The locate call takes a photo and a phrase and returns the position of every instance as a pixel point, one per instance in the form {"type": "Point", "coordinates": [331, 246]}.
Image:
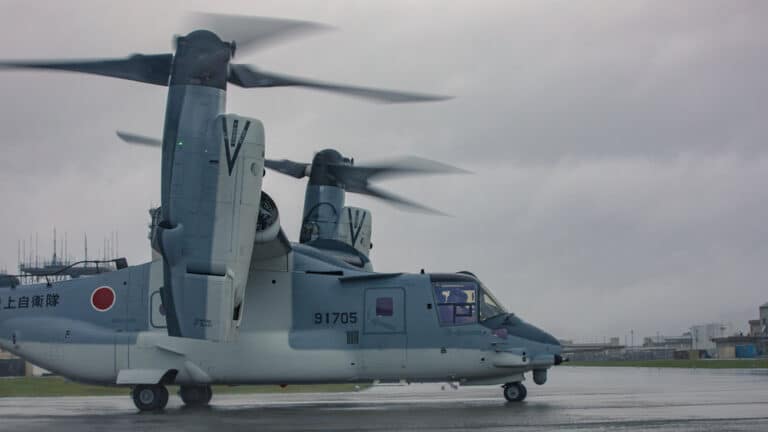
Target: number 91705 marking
{"type": "Point", "coordinates": [336, 318]}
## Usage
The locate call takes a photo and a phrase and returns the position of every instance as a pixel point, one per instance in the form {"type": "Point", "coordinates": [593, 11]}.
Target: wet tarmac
{"type": "Point", "coordinates": [575, 399]}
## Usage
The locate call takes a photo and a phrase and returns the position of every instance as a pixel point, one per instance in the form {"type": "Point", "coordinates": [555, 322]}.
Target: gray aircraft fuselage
{"type": "Point", "coordinates": [307, 318]}
{"type": "Point", "coordinates": [221, 304]}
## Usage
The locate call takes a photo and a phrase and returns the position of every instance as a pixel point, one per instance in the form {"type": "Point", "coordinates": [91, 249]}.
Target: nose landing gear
{"type": "Point", "coordinates": [515, 392]}
{"type": "Point", "coordinates": [150, 397]}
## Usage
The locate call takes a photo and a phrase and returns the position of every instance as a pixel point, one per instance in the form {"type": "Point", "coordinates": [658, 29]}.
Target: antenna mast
{"type": "Point", "coordinates": [54, 245]}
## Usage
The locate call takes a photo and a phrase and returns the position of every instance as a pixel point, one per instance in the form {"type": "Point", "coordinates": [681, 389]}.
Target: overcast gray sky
{"type": "Point", "coordinates": [619, 148]}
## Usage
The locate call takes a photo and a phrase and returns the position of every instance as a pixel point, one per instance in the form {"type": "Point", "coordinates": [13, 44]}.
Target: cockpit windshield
{"type": "Point", "coordinates": [489, 306]}
{"type": "Point", "coordinates": [464, 301]}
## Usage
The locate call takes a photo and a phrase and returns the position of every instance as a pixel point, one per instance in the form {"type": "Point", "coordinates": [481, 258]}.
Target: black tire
{"type": "Point", "coordinates": [150, 397]}
{"type": "Point", "coordinates": [163, 398]}
{"type": "Point", "coordinates": [210, 395]}
{"type": "Point", "coordinates": [195, 396]}
{"type": "Point", "coordinates": [515, 392]}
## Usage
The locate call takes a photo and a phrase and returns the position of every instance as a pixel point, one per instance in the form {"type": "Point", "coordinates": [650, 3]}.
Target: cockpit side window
{"type": "Point", "coordinates": [456, 302]}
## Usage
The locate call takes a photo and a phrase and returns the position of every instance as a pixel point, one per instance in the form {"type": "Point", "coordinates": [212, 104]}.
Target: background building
{"type": "Point", "coordinates": [683, 342]}
{"type": "Point", "coordinates": [754, 344]}
{"type": "Point", "coordinates": [11, 365]}
{"type": "Point", "coordinates": [703, 335]}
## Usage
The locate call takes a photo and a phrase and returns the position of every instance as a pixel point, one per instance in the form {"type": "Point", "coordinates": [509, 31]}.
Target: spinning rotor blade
{"type": "Point", "coordinates": [139, 139]}
{"type": "Point", "coordinates": [287, 167]}
{"type": "Point", "coordinates": [152, 69]}
{"type": "Point", "coordinates": [356, 178]}
{"type": "Point", "coordinates": [402, 167]}
{"type": "Point", "coordinates": [244, 31]}
{"type": "Point", "coordinates": [252, 32]}
{"type": "Point", "coordinates": [393, 199]}
{"type": "Point", "coordinates": [249, 77]}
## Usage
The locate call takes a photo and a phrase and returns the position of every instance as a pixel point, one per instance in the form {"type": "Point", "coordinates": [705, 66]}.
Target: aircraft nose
{"type": "Point", "coordinates": [531, 332]}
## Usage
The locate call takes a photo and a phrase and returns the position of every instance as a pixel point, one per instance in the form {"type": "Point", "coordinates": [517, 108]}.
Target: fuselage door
{"type": "Point", "coordinates": [384, 333]}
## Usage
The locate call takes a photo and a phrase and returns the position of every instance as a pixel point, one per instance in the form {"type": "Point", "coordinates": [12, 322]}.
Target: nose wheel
{"type": "Point", "coordinates": [150, 397]}
{"type": "Point", "coordinates": [195, 396]}
{"type": "Point", "coordinates": [515, 392]}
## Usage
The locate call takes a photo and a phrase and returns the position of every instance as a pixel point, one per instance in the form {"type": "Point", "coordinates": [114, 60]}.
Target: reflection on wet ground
{"type": "Point", "coordinates": [582, 399]}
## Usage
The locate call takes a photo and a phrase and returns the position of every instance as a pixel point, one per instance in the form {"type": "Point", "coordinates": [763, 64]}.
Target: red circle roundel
{"type": "Point", "coordinates": [103, 298]}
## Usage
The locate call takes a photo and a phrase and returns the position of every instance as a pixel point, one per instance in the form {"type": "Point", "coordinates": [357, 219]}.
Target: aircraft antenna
{"type": "Point", "coordinates": [54, 245]}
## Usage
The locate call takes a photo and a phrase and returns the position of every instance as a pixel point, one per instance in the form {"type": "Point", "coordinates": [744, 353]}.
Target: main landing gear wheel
{"type": "Point", "coordinates": [195, 396]}
{"type": "Point", "coordinates": [150, 397]}
{"type": "Point", "coordinates": [515, 392]}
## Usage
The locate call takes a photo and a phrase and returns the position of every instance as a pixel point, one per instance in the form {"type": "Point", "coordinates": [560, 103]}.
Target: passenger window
{"type": "Point", "coordinates": [456, 302]}
{"type": "Point", "coordinates": [384, 306]}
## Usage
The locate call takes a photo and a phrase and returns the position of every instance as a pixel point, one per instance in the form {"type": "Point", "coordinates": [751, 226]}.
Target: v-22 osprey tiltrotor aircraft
{"type": "Point", "coordinates": [227, 298]}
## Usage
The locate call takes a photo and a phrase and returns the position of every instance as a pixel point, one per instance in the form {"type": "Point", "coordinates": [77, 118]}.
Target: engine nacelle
{"type": "Point", "coordinates": [207, 242]}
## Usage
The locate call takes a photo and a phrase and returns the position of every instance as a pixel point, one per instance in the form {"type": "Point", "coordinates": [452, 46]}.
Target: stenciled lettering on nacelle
{"type": "Point", "coordinates": [355, 224]}
{"type": "Point", "coordinates": [233, 144]}
{"type": "Point", "coordinates": [202, 322]}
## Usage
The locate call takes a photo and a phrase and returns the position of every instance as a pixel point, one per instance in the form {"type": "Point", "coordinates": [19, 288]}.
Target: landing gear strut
{"type": "Point", "coordinates": [150, 397]}
{"type": "Point", "coordinates": [515, 392]}
{"type": "Point", "coordinates": [195, 396]}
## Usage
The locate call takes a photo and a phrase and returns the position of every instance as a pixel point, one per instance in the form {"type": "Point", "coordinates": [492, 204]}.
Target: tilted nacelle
{"type": "Point", "coordinates": [207, 244]}
{"type": "Point", "coordinates": [344, 234]}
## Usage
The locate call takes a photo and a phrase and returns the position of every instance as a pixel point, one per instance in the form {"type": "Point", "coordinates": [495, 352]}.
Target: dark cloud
{"type": "Point", "coordinates": [618, 147]}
